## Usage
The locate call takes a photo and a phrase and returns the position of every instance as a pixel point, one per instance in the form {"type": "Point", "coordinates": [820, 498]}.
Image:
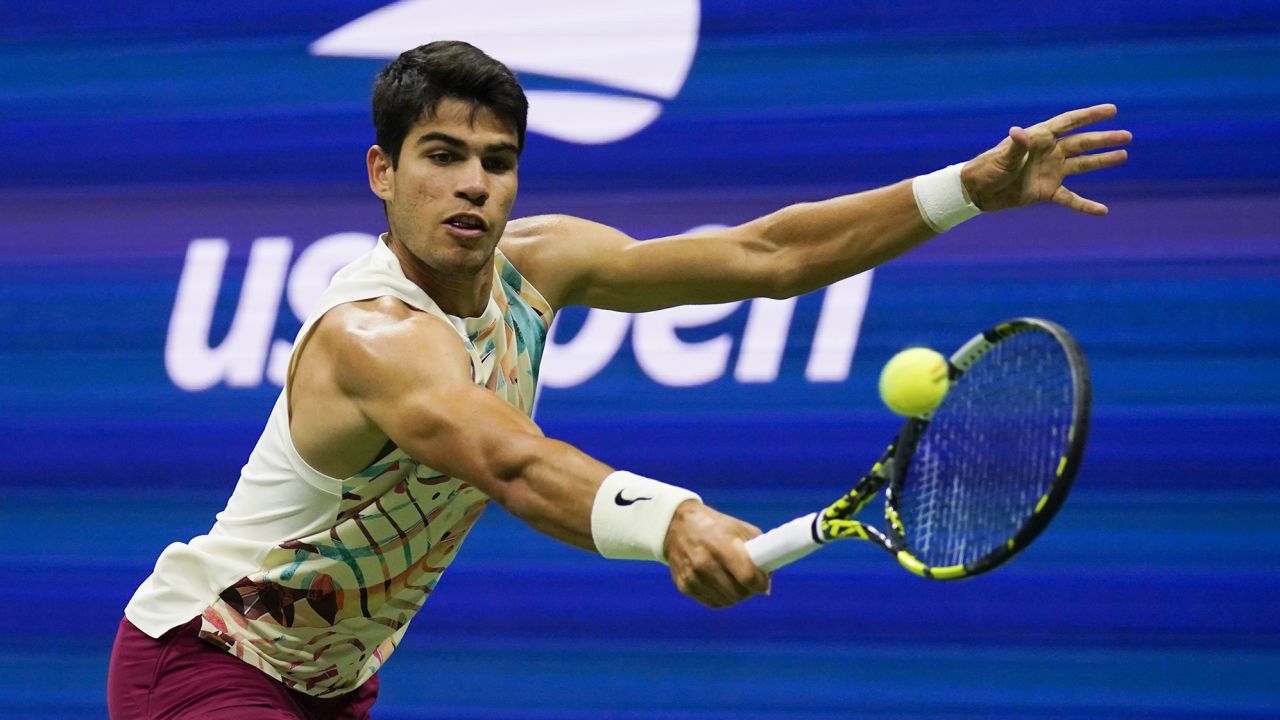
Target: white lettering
{"type": "Point", "coordinates": [764, 340]}
{"type": "Point", "coordinates": [239, 360]}
{"type": "Point", "coordinates": [836, 338]}
{"type": "Point", "coordinates": [578, 360]}
{"type": "Point", "coordinates": [311, 274]}
{"type": "Point", "coordinates": [249, 353]}
{"type": "Point", "coordinates": [669, 360]}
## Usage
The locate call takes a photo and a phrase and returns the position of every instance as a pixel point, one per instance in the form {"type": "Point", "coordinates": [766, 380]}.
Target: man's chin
{"type": "Point", "coordinates": [471, 261]}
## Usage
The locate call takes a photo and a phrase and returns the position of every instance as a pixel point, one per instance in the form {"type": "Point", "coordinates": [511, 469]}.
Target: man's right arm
{"type": "Point", "coordinates": [409, 375]}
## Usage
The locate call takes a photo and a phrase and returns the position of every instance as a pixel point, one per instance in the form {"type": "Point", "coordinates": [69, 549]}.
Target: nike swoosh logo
{"type": "Point", "coordinates": [625, 502]}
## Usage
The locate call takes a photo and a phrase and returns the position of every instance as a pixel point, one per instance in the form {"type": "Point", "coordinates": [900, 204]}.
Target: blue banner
{"type": "Point", "coordinates": [181, 180]}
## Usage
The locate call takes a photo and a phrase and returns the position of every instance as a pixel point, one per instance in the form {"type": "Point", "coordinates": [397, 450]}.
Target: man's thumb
{"type": "Point", "coordinates": [1019, 144]}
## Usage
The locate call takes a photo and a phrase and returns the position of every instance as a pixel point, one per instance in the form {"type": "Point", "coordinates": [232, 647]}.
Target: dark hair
{"type": "Point", "coordinates": [413, 84]}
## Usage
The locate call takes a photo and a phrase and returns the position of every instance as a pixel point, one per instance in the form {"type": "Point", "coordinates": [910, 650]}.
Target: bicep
{"type": "Point", "coordinates": [712, 267]}
{"type": "Point", "coordinates": [579, 262]}
{"type": "Point", "coordinates": [416, 387]}
{"type": "Point", "coordinates": [458, 429]}
{"type": "Point", "coordinates": [417, 390]}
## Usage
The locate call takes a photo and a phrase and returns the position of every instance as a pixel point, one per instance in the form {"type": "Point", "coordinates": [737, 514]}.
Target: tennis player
{"type": "Point", "coordinates": [406, 406]}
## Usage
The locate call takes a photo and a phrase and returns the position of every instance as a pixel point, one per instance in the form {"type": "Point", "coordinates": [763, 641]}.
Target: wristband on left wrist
{"type": "Point", "coordinates": [942, 198]}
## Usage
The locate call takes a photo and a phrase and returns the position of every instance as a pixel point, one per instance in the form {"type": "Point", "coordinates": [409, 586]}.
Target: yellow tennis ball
{"type": "Point", "coordinates": [914, 381]}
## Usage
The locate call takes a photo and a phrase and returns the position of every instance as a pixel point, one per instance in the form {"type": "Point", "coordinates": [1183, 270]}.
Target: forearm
{"type": "Point", "coordinates": [811, 245]}
{"type": "Point", "coordinates": [550, 485]}
{"type": "Point", "coordinates": [560, 492]}
{"type": "Point", "coordinates": [819, 243]}
{"type": "Point", "coordinates": [632, 517]}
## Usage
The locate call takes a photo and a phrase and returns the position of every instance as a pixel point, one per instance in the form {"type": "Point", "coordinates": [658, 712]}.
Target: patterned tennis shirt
{"type": "Point", "coordinates": [315, 579]}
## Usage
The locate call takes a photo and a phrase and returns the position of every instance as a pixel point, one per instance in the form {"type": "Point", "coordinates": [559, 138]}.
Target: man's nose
{"type": "Point", "coordinates": [473, 183]}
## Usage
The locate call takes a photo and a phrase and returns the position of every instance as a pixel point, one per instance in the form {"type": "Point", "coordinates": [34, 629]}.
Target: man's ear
{"type": "Point", "coordinates": [382, 177]}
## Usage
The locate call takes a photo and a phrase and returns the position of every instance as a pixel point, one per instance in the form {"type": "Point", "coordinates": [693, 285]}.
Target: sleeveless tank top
{"type": "Point", "coordinates": [314, 579]}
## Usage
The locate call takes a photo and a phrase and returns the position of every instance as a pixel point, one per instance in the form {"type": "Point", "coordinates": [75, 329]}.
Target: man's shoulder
{"type": "Point", "coordinates": [555, 251]}
{"type": "Point", "coordinates": [364, 316]}
{"type": "Point", "coordinates": [534, 228]}
{"type": "Point", "coordinates": [382, 347]}
{"type": "Point", "coordinates": [367, 332]}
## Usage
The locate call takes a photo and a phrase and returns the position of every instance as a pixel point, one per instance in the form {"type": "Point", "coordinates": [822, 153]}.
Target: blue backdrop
{"type": "Point", "coordinates": [179, 179]}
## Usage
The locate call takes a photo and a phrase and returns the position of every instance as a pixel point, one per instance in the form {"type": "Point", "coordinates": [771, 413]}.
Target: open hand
{"type": "Point", "coordinates": [1030, 164]}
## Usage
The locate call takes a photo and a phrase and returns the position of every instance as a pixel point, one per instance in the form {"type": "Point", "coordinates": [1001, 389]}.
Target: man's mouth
{"type": "Point", "coordinates": [467, 223]}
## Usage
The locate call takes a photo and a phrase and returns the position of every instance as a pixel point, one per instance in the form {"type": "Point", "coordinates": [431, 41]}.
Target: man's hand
{"type": "Point", "coordinates": [1029, 165]}
{"type": "Point", "coordinates": [708, 561]}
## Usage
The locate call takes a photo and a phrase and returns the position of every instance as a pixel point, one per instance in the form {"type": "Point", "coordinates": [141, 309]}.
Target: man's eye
{"type": "Point", "coordinates": [440, 158]}
{"type": "Point", "coordinates": [497, 166]}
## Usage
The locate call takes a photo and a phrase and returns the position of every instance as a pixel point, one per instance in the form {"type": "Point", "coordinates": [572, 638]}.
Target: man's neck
{"type": "Point", "coordinates": [458, 295]}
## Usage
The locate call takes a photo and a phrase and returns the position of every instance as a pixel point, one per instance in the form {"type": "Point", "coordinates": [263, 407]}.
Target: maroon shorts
{"type": "Point", "coordinates": [179, 676]}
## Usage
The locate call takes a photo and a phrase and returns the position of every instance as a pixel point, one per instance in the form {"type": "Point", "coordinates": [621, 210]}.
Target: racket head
{"type": "Point", "coordinates": [975, 481]}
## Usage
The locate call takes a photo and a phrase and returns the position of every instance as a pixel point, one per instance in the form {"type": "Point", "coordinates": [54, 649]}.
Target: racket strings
{"type": "Point", "coordinates": [990, 452]}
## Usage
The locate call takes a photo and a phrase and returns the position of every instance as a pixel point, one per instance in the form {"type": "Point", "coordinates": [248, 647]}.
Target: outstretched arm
{"type": "Point", "coordinates": [809, 245]}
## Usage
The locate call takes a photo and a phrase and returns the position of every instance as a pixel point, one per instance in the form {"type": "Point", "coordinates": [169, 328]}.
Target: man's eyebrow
{"type": "Point", "coordinates": [458, 143]}
{"type": "Point", "coordinates": [501, 148]}
{"type": "Point", "coordinates": [442, 137]}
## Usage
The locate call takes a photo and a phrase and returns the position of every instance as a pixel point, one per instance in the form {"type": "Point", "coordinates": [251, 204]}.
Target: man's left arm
{"type": "Point", "coordinates": [809, 245]}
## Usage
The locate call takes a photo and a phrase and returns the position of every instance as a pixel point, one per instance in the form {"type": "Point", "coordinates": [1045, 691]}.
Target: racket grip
{"type": "Point", "coordinates": [784, 544]}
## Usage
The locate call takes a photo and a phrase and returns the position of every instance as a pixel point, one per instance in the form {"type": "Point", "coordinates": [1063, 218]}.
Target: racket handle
{"type": "Point", "coordinates": [784, 544]}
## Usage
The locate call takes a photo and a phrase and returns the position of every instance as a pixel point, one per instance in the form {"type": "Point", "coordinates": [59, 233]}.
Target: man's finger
{"type": "Point", "coordinates": [1019, 144]}
{"type": "Point", "coordinates": [1089, 163]}
{"type": "Point", "coordinates": [713, 579]}
{"type": "Point", "coordinates": [724, 587]}
{"type": "Point", "coordinates": [1042, 141]}
{"type": "Point", "coordinates": [1068, 199]}
{"type": "Point", "coordinates": [756, 580]}
{"type": "Point", "coordinates": [743, 576]}
{"type": "Point", "coordinates": [707, 593]}
{"type": "Point", "coordinates": [1085, 142]}
{"type": "Point", "coordinates": [1075, 119]}
{"type": "Point", "coordinates": [715, 603]}
{"type": "Point", "coordinates": [750, 578]}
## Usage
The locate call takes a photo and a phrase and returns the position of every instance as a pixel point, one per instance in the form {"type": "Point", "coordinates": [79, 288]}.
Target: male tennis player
{"type": "Point", "coordinates": [406, 407]}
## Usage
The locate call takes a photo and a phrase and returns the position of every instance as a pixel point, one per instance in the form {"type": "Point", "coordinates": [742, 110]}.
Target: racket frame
{"type": "Point", "coordinates": [803, 535]}
{"type": "Point", "coordinates": [1048, 504]}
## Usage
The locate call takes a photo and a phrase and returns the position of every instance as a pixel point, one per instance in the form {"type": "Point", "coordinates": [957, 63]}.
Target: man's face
{"type": "Point", "coordinates": [449, 199]}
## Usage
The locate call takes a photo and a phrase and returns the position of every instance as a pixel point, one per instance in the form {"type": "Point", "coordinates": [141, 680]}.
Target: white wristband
{"type": "Point", "coordinates": [631, 514]}
{"type": "Point", "coordinates": [942, 199]}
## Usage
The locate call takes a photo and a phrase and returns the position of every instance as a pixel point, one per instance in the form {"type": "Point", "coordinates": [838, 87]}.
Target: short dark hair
{"type": "Point", "coordinates": [412, 85]}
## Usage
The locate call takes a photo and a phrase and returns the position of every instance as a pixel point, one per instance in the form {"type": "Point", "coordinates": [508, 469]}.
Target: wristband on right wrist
{"type": "Point", "coordinates": [942, 200]}
{"type": "Point", "coordinates": [631, 514]}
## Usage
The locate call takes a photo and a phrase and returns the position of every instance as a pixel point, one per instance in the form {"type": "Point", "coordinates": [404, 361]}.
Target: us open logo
{"type": "Point", "coordinates": [250, 354]}
{"type": "Point", "coordinates": [620, 61]}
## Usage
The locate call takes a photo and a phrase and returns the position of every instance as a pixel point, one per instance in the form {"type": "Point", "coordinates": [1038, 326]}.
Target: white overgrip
{"type": "Point", "coordinates": [784, 544]}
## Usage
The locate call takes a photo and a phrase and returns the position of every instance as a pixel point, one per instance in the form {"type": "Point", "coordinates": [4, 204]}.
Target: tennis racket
{"type": "Point", "coordinates": [972, 483]}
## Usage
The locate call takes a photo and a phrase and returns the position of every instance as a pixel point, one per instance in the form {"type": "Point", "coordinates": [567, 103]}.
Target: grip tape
{"type": "Point", "coordinates": [785, 544]}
